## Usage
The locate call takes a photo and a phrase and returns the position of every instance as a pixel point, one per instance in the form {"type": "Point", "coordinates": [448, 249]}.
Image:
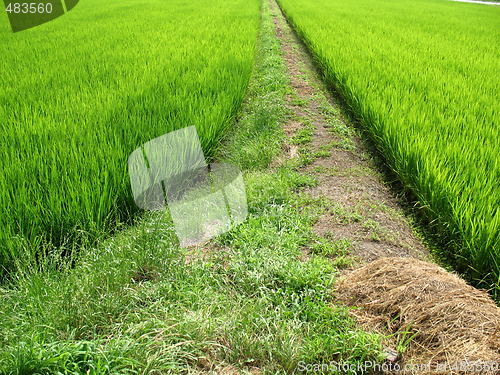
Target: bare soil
{"type": "Point", "coordinates": [364, 211]}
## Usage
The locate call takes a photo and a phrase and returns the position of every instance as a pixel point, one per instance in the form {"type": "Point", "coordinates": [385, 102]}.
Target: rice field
{"type": "Point", "coordinates": [422, 75]}
{"type": "Point", "coordinates": [80, 93]}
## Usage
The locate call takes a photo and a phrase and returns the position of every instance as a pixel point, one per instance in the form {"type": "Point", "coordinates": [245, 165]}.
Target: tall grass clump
{"type": "Point", "coordinates": [422, 77]}
{"type": "Point", "coordinates": [80, 93]}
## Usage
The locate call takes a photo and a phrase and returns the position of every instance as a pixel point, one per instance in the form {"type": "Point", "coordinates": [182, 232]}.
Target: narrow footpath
{"type": "Point", "coordinates": [364, 216]}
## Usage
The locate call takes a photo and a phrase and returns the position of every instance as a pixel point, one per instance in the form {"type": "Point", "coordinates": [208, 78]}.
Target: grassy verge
{"type": "Point", "coordinates": [139, 304]}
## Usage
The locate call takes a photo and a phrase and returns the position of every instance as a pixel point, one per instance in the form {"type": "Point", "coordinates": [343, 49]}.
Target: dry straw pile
{"type": "Point", "coordinates": [452, 321]}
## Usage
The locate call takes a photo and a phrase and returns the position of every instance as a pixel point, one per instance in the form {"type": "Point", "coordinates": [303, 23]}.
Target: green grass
{"type": "Point", "coordinates": [139, 304]}
{"type": "Point", "coordinates": [421, 76]}
{"type": "Point", "coordinates": [136, 304]}
{"type": "Point", "coordinates": [80, 93]}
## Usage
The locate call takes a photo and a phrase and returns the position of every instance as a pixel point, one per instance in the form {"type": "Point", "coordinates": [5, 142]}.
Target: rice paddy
{"type": "Point", "coordinates": [80, 93]}
{"type": "Point", "coordinates": [422, 76]}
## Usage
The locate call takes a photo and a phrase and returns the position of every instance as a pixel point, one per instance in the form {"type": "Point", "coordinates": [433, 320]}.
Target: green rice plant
{"type": "Point", "coordinates": [137, 303]}
{"type": "Point", "coordinates": [422, 77]}
{"type": "Point", "coordinates": [80, 93]}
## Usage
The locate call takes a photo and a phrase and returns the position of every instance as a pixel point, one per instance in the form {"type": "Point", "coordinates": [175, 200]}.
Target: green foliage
{"type": "Point", "coordinates": [258, 135]}
{"type": "Point", "coordinates": [80, 93]}
{"type": "Point", "coordinates": [304, 134]}
{"type": "Point", "coordinates": [138, 304]}
{"type": "Point", "coordinates": [81, 357]}
{"type": "Point", "coordinates": [421, 75]}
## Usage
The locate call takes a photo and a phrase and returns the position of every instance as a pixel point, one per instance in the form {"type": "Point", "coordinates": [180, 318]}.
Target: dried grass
{"type": "Point", "coordinates": [452, 321]}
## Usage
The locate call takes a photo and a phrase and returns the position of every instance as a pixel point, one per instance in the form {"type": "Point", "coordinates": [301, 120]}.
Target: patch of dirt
{"type": "Point", "coordinates": [452, 322]}
{"type": "Point", "coordinates": [207, 251]}
{"type": "Point", "coordinates": [346, 177]}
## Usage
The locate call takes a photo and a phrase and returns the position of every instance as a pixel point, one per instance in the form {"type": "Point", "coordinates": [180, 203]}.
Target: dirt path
{"type": "Point", "coordinates": [363, 216]}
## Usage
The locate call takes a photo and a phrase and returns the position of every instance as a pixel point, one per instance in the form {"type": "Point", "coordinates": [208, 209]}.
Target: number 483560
{"type": "Point", "coordinates": [29, 8]}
